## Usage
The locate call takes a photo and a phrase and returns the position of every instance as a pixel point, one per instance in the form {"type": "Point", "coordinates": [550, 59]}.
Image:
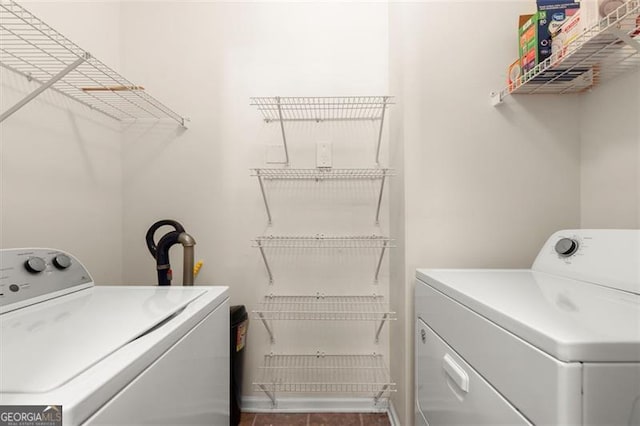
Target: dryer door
{"type": "Point", "coordinates": [449, 391]}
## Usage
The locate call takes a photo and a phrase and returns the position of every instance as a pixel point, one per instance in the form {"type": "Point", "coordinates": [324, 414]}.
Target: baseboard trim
{"type": "Point", "coordinates": [393, 415]}
{"type": "Point", "coordinates": [256, 404]}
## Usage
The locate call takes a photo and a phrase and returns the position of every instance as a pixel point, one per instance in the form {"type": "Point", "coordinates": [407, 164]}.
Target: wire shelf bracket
{"type": "Point", "coordinates": [321, 373]}
{"type": "Point", "coordinates": [323, 242]}
{"type": "Point", "coordinates": [324, 308]}
{"type": "Point", "coordinates": [43, 87]}
{"type": "Point", "coordinates": [604, 51]}
{"type": "Point", "coordinates": [319, 109]}
{"type": "Point", "coordinates": [31, 48]}
{"type": "Point", "coordinates": [320, 175]}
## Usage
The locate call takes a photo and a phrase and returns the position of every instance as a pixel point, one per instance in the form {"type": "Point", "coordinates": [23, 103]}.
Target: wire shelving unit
{"type": "Point", "coordinates": [328, 108]}
{"type": "Point", "coordinates": [607, 49]}
{"type": "Point", "coordinates": [322, 242]}
{"type": "Point", "coordinates": [31, 48]}
{"type": "Point", "coordinates": [360, 374]}
{"type": "Point", "coordinates": [324, 308]}
{"type": "Point", "coordinates": [349, 374]}
{"type": "Point", "coordinates": [320, 175]}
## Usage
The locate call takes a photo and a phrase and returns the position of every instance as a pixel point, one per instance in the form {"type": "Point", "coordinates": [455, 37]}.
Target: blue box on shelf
{"type": "Point", "coordinates": [551, 15]}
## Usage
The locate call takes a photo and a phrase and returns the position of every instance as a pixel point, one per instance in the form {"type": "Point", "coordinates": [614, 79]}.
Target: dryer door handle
{"type": "Point", "coordinates": [455, 372]}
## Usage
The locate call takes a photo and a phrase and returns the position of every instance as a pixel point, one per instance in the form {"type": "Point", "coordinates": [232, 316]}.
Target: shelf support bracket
{"type": "Point", "coordinates": [625, 37]}
{"type": "Point", "coordinates": [44, 86]}
{"type": "Point", "coordinates": [284, 136]}
{"type": "Point", "coordinates": [384, 319]}
{"type": "Point", "coordinates": [266, 262]}
{"type": "Point", "coordinates": [497, 98]}
{"type": "Point", "coordinates": [271, 395]}
{"type": "Point", "coordinates": [264, 195]}
{"type": "Point", "coordinates": [377, 397]}
{"type": "Point", "coordinates": [384, 248]}
{"type": "Point", "coordinates": [266, 325]}
{"type": "Point", "coordinates": [380, 199]}
{"type": "Point", "coordinates": [384, 108]}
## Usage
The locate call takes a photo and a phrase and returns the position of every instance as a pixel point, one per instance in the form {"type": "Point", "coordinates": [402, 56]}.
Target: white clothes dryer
{"type": "Point", "coordinates": [556, 344]}
{"type": "Point", "coordinates": [110, 354]}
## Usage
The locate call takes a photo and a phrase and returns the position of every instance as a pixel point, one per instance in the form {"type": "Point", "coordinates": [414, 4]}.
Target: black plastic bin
{"type": "Point", "coordinates": [239, 324]}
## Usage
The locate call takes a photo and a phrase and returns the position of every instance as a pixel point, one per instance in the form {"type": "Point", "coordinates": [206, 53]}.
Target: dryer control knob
{"type": "Point", "coordinates": [565, 247]}
{"type": "Point", "coordinates": [62, 261]}
{"type": "Point", "coordinates": [35, 265]}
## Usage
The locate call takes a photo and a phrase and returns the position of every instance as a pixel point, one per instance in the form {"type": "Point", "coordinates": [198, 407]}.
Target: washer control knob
{"type": "Point", "coordinates": [35, 265]}
{"type": "Point", "coordinates": [62, 261]}
{"type": "Point", "coordinates": [565, 247]}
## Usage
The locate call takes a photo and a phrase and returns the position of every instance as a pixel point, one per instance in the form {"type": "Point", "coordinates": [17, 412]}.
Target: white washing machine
{"type": "Point", "coordinates": [110, 355]}
{"type": "Point", "coordinates": [554, 345]}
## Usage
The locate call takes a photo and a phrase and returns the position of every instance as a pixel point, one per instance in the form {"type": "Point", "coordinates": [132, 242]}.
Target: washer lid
{"type": "Point", "coordinates": [568, 319]}
{"type": "Point", "coordinates": [47, 344]}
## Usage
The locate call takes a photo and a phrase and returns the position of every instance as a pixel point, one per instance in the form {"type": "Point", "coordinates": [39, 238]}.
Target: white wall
{"type": "Point", "coordinates": [467, 173]}
{"type": "Point", "coordinates": [610, 154]}
{"type": "Point", "coordinates": [61, 163]}
{"type": "Point", "coordinates": [483, 186]}
{"type": "Point", "coordinates": [205, 60]}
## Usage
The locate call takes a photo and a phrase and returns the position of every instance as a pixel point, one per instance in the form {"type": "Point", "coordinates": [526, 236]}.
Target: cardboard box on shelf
{"type": "Point", "coordinates": [552, 14]}
{"type": "Point", "coordinates": [528, 41]}
{"type": "Point", "coordinates": [587, 18]}
{"type": "Point", "coordinates": [534, 31]}
{"type": "Point", "coordinates": [513, 75]}
{"type": "Point", "coordinates": [567, 33]}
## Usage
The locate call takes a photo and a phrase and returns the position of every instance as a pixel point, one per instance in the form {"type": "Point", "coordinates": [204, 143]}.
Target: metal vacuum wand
{"type": "Point", "coordinates": [188, 243]}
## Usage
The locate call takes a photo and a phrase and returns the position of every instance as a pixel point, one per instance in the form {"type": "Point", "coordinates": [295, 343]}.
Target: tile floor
{"type": "Point", "coordinates": [315, 419]}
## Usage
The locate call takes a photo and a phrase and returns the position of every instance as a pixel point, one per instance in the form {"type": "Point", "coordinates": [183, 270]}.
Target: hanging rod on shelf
{"type": "Point", "coordinates": [31, 48]}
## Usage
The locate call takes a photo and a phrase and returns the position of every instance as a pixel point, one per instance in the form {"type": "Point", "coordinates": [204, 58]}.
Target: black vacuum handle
{"type": "Point", "coordinates": [151, 245]}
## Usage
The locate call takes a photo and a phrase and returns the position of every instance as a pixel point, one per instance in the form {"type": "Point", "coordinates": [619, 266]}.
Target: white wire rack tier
{"type": "Point", "coordinates": [325, 373]}
{"type": "Point", "coordinates": [323, 308]}
{"type": "Point", "coordinates": [321, 241]}
{"type": "Point", "coordinates": [30, 47]}
{"type": "Point", "coordinates": [321, 174]}
{"type": "Point", "coordinates": [602, 52]}
{"type": "Point", "coordinates": [328, 108]}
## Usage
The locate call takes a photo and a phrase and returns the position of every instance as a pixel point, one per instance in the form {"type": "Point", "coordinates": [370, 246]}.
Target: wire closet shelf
{"type": "Point", "coordinates": [324, 308]}
{"type": "Point", "coordinates": [319, 174]}
{"type": "Point", "coordinates": [30, 47]}
{"type": "Point", "coordinates": [324, 373]}
{"type": "Point", "coordinates": [607, 49]}
{"type": "Point", "coordinates": [327, 108]}
{"type": "Point", "coordinates": [321, 241]}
